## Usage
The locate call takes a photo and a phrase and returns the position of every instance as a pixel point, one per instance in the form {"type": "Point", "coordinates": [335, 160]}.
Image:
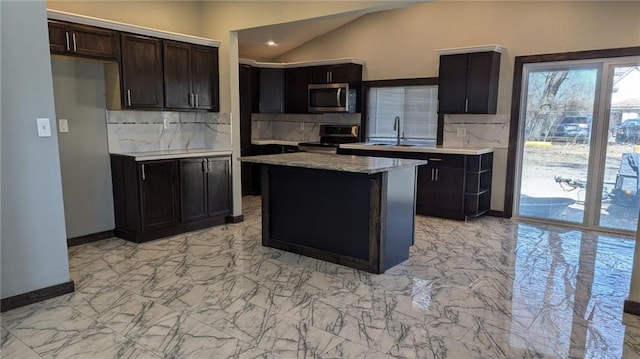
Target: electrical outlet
{"type": "Point", "coordinates": [461, 132]}
{"type": "Point", "coordinates": [44, 127]}
{"type": "Point", "coordinates": [166, 123]}
{"type": "Point", "coordinates": [63, 125]}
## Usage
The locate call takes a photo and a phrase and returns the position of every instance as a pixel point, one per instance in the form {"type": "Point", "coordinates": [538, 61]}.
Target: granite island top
{"type": "Point", "coordinates": [274, 142]}
{"type": "Point", "coordinates": [416, 148]}
{"type": "Point", "coordinates": [170, 154]}
{"type": "Point", "coordinates": [345, 163]}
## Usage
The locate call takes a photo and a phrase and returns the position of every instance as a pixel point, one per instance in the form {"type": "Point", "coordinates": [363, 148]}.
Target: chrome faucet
{"type": "Point", "coordinates": [396, 127]}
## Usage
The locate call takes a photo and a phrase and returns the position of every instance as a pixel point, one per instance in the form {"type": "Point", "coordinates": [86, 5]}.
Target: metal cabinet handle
{"type": "Point", "coordinates": [466, 105]}
{"type": "Point", "coordinates": [432, 174]}
{"type": "Point", "coordinates": [66, 34]}
{"type": "Point", "coordinates": [437, 172]}
{"type": "Point", "coordinates": [190, 100]}
{"type": "Point", "coordinates": [435, 159]}
{"type": "Point", "coordinates": [197, 104]}
{"type": "Point", "coordinates": [144, 177]}
{"type": "Point", "coordinates": [75, 49]}
{"type": "Point", "coordinates": [128, 97]}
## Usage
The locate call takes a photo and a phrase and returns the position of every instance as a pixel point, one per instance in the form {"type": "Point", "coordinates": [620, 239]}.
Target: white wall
{"type": "Point", "coordinates": [33, 238]}
{"type": "Point", "coordinates": [79, 93]}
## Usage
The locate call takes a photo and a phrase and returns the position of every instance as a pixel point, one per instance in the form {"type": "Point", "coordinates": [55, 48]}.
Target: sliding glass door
{"type": "Point", "coordinates": [579, 143]}
{"type": "Point", "coordinates": [621, 201]}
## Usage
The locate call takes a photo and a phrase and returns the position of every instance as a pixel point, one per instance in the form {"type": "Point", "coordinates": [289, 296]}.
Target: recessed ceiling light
{"type": "Point", "coordinates": [271, 43]}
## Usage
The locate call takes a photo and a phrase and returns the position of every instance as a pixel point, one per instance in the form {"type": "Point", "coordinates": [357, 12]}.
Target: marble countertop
{"type": "Point", "coordinates": [417, 148]}
{"type": "Point", "coordinates": [273, 142]}
{"type": "Point", "coordinates": [358, 164]}
{"type": "Point", "coordinates": [169, 154]}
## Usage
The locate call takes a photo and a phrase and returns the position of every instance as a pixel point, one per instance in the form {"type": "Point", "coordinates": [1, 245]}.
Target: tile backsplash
{"type": "Point", "coordinates": [139, 131]}
{"type": "Point", "coordinates": [296, 127]}
{"type": "Point", "coordinates": [481, 131]}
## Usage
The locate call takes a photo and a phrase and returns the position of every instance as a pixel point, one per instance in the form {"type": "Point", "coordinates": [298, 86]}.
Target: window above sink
{"type": "Point", "coordinates": [413, 101]}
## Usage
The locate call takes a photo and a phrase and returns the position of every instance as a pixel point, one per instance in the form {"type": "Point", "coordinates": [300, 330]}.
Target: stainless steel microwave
{"type": "Point", "coordinates": [332, 98]}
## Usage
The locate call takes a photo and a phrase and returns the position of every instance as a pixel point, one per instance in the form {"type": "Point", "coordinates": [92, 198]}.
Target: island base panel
{"type": "Point", "coordinates": [357, 220]}
{"type": "Point", "coordinates": [326, 210]}
{"type": "Point", "coordinates": [400, 219]}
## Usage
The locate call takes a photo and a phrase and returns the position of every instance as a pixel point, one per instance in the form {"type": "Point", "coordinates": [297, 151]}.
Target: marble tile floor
{"type": "Point", "coordinates": [488, 288]}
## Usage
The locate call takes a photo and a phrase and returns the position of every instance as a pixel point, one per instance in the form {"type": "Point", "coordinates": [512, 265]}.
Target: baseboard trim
{"type": "Point", "coordinates": [235, 219]}
{"type": "Point", "coordinates": [493, 213]}
{"type": "Point", "coordinates": [94, 237]}
{"type": "Point", "coordinates": [35, 296]}
{"type": "Point", "coordinates": [632, 307]}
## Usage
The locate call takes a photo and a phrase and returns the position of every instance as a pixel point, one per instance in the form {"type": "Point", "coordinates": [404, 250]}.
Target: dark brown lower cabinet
{"type": "Point", "coordinates": [440, 192]}
{"type": "Point", "coordinates": [454, 186]}
{"type": "Point", "coordinates": [218, 186]}
{"type": "Point", "coordinates": [158, 194]}
{"type": "Point", "coordinates": [205, 188]}
{"type": "Point", "coordinates": [159, 198]}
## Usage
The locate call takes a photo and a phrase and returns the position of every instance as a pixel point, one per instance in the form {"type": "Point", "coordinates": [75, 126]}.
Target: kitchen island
{"type": "Point", "coordinates": [356, 211]}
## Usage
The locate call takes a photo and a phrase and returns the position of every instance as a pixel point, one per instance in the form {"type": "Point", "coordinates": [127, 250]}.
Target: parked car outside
{"type": "Point", "coordinates": [574, 127]}
{"type": "Point", "coordinates": [629, 131]}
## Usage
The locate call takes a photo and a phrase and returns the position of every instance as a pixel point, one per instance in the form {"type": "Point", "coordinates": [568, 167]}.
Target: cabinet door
{"type": "Point", "coordinates": [193, 189]}
{"type": "Point", "coordinates": [448, 193]}
{"type": "Point", "coordinates": [158, 194]}
{"type": "Point", "coordinates": [297, 80]}
{"type": "Point", "coordinates": [218, 184]}
{"type": "Point", "coordinates": [452, 84]}
{"type": "Point", "coordinates": [271, 90]}
{"type": "Point", "coordinates": [320, 74]}
{"type": "Point", "coordinates": [141, 72]}
{"type": "Point", "coordinates": [94, 42]}
{"type": "Point", "coordinates": [177, 75]}
{"type": "Point", "coordinates": [59, 37]}
{"type": "Point", "coordinates": [204, 77]}
{"type": "Point", "coordinates": [424, 190]}
{"type": "Point", "coordinates": [482, 82]}
{"type": "Point", "coordinates": [348, 73]}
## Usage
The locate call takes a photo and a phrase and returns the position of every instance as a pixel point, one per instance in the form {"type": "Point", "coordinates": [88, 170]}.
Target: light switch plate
{"type": "Point", "coordinates": [63, 125]}
{"type": "Point", "coordinates": [461, 132]}
{"type": "Point", "coordinates": [44, 127]}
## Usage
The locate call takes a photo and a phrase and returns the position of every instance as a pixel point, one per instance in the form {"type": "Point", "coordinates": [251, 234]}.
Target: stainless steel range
{"type": "Point", "coordinates": [331, 136]}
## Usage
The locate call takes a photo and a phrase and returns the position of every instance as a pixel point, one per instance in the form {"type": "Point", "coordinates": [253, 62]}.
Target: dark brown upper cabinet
{"type": "Point", "coordinates": [271, 90]}
{"type": "Point", "coordinates": [80, 40]}
{"type": "Point", "coordinates": [190, 76]}
{"type": "Point", "coordinates": [141, 72]}
{"type": "Point", "coordinates": [296, 82]}
{"type": "Point", "coordinates": [468, 83]}
{"type": "Point", "coordinates": [340, 73]}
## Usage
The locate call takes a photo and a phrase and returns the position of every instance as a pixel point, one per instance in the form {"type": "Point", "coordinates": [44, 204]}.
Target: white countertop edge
{"type": "Point", "coordinates": [274, 142]}
{"type": "Point", "coordinates": [284, 65]}
{"type": "Point", "coordinates": [333, 162]}
{"type": "Point", "coordinates": [166, 155]}
{"type": "Point", "coordinates": [446, 150]}
{"type": "Point", "coordinates": [469, 49]}
{"type": "Point", "coordinates": [138, 30]}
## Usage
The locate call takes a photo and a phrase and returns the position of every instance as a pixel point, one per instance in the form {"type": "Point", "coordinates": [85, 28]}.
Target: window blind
{"type": "Point", "coordinates": [417, 107]}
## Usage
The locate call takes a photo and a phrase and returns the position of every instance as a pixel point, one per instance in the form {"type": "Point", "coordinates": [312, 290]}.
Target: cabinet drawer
{"type": "Point", "coordinates": [448, 161]}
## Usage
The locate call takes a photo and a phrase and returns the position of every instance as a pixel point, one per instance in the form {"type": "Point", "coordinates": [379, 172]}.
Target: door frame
{"type": "Point", "coordinates": [514, 126]}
